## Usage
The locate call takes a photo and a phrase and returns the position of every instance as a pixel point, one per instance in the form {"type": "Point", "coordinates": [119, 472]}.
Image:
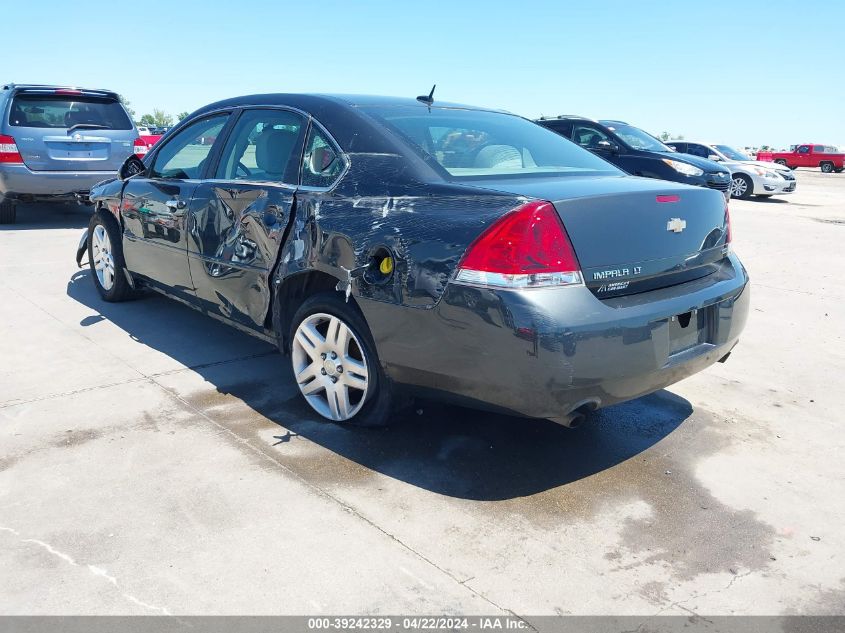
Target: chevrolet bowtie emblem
{"type": "Point", "coordinates": [676, 225]}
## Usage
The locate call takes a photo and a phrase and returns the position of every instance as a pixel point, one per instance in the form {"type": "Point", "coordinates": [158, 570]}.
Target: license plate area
{"type": "Point", "coordinates": [690, 329]}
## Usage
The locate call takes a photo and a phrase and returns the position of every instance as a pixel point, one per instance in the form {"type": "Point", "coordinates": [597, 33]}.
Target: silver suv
{"type": "Point", "coordinates": [57, 142]}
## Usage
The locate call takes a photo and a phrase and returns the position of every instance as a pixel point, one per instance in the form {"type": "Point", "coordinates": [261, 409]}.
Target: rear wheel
{"type": "Point", "coordinates": [105, 257]}
{"type": "Point", "coordinates": [8, 212]}
{"type": "Point", "coordinates": [827, 167]}
{"type": "Point", "coordinates": [741, 187]}
{"type": "Point", "coordinates": [335, 365]}
{"type": "Point", "coordinates": [781, 161]}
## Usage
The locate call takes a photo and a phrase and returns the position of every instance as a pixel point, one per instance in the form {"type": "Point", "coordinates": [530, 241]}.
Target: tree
{"type": "Point", "coordinates": [159, 118]}
{"type": "Point", "coordinates": [182, 115]}
{"type": "Point", "coordinates": [665, 136]}
{"type": "Point", "coordinates": [127, 104]}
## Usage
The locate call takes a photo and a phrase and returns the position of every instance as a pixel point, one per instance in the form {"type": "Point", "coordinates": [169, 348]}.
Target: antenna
{"type": "Point", "coordinates": [428, 99]}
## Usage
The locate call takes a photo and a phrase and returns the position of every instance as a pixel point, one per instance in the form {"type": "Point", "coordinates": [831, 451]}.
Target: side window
{"type": "Point", "coordinates": [698, 150]}
{"type": "Point", "coordinates": [264, 145]}
{"type": "Point", "coordinates": [184, 156]}
{"type": "Point", "coordinates": [321, 164]}
{"type": "Point", "coordinates": [678, 147]}
{"type": "Point", "coordinates": [803, 149]}
{"type": "Point", "coordinates": [818, 149]}
{"type": "Point", "coordinates": [589, 137]}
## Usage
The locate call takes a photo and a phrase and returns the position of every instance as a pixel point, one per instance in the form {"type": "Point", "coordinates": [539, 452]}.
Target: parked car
{"type": "Point", "coordinates": [638, 152]}
{"type": "Point", "coordinates": [826, 157]}
{"type": "Point", "coordinates": [56, 142]}
{"type": "Point", "coordinates": [144, 130]}
{"type": "Point", "coordinates": [394, 247]}
{"type": "Point", "coordinates": [748, 176]}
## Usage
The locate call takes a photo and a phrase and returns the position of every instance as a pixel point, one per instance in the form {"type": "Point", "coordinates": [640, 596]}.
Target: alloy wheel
{"type": "Point", "coordinates": [738, 187]}
{"type": "Point", "coordinates": [330, 366]}
{"type": "Point", "coordinates": [103, 258]}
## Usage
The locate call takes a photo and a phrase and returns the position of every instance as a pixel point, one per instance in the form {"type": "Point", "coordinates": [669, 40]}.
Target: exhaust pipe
{"type": "Point", "coordinates": [578, 415]}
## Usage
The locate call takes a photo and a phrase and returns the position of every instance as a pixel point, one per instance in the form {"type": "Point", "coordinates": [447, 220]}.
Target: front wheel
{"type": "Point", "coordinates": [105, 258]}
{"type": "Point", "coordinates": [741, 187]}
{"type": "Point", "coordinates": [335, 364]}
{"type": "Point", "coordinates": [827, 167]}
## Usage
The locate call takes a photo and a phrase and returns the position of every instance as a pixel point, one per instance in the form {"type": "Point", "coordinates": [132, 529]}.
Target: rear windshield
{"type": "Point", "coordinates": [63, 112]}
{"type": "Point", "coordinates": [472, 144]}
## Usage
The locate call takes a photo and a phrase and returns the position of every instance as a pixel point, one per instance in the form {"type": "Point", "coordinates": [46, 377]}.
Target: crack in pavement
{"type": "Point", "coordinates": [93, 569]}
{"type": "Point", "coordinates": [325, 494]}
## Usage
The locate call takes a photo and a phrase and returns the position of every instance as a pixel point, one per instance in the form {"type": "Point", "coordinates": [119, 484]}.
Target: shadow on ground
{"type": "Point", "coordinates": [448, 450]}
{"type": "Point", "coordinates": [50, 216]}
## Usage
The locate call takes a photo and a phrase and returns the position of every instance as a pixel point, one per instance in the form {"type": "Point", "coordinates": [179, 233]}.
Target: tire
{"type": "Point", "coordinates": [741, 187]}
{"type": "Point", "coordinates": [827, 167]}
{"type": "Point", "coordinates": [365, 396]}
{"type": "Point", "coordinates": [8, 212]}
{"type": "Point", "coordinates": [105, 258]}
{"type": "Point", "coordinates": [781, 161]}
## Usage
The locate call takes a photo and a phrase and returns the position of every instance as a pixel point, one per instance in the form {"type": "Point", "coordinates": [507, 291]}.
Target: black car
{"type": "Point", "coordinates": [395, 247]}
{"type": "Point", "coordinates": [639, 153]}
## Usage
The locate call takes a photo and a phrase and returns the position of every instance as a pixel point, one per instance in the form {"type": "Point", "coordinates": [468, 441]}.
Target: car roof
{"type": "Point", "coordinates": [567, 117]}
{"type": "Point", "coordinates": [307, 101]}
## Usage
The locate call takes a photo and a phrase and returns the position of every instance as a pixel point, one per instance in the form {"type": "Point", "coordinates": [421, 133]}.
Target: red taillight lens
{"type": "Point", "coordinates": [9, 150]}
{"type": "Point", "coordinates": [527, 248]}
{"type": "Point", "coordinates": [140, 148]}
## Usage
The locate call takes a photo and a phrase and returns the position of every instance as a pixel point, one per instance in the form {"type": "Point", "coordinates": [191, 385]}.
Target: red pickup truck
{"type": "Point", "coordinates": [810, 155]}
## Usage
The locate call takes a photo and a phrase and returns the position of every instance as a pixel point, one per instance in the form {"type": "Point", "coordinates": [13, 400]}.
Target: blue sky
{"type": "Point", "coordinates": [745, 73]}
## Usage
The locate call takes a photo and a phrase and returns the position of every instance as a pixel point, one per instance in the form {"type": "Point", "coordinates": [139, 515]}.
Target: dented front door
{"type": "Point", "coordinates": [235, 232]}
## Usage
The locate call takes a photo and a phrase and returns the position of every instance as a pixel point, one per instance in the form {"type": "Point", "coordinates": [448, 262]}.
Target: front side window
{"type": "Point", "coordinates": [471, 144]}
{"type": "Point", "coordinates": [54, 111]}
{"type": "Point", "coordinates": [184, 156]}
{"type": "Point", "coordinates": [698, 150]}
{"type": "Point", "coordinates": [590, 137]}
{"type": "Point", "coordinates": [321, 163]}
{"type": "Point", "coordinates": [264, 145]}
{"type": "Point", "coordinates": [637, 138]}
{"type": "Point", "coordinates": [804, 149]}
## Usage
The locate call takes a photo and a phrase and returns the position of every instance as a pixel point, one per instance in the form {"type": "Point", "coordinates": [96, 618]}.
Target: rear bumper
{"type": "Point", "coordinates": [543, 353]}
{"type": "Point", "coordinates": [18, 182]}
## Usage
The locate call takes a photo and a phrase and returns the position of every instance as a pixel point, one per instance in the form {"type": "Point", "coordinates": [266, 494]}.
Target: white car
{"type": "Point", "coordinates": [749, 177]}
{"type": "Point", "coordinates": [144, 131]}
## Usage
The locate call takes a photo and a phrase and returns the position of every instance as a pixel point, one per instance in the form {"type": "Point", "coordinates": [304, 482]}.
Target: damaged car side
{"type": "Point", "coordinates": [393, 247]}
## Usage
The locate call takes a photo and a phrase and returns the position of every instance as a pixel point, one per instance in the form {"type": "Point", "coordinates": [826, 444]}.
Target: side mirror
{"type": "Point", "coordinates": [718, 159]}
{"type": "Point", "coordinates": [132, 166]}
{"type": "Point", "coordinates": [321, 159]}
{"type": "Point", "coordinates": [607, 146]}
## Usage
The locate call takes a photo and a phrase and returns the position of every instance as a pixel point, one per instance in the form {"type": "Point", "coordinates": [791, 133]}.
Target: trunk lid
{"type": "Point", "coordinates": [635, 234]}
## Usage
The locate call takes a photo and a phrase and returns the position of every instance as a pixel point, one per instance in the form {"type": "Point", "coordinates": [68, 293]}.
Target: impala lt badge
{"type": "Point", "coordinates": [676, 225]}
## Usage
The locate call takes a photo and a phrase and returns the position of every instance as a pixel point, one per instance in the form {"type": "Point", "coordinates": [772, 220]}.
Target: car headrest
{"type": "Point", "coordinates": [273, 150]}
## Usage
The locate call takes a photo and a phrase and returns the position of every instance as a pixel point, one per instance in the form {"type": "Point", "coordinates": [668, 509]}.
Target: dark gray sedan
{"type": "Point", "coordinates": [397, 247]}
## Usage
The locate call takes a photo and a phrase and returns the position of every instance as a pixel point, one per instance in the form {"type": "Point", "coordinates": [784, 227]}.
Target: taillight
{"type": "Point", "coordinates": [527, 248]}
{"type": "Point", "coordinates": [9, 150]}
{"type": "Point", "coordinates": [140, 148]}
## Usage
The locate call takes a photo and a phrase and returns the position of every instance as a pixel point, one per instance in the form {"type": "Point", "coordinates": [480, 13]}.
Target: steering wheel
{"type": "Point", "coordinates": [245, 169]}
